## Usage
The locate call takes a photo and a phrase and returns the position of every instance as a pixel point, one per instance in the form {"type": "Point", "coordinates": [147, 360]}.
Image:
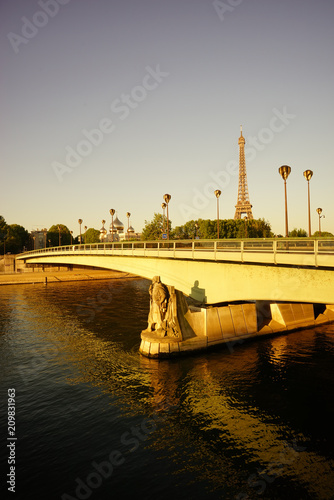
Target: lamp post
{"type": "Point", "coordinates": [319, 210]}
{"type": "Point", "coordinates": [218, 193]}
{"type": "Point", "coordinates": [246, 219]}
{"type": "Point", "coordinates": [112, 213]}
{"type": "Point", "coordinates": [308, 176]}
{"type": "Point", "coordinates": [285, 172]}
{"type": "Point", "coordinates": [167, 198]}
{"type": "Point", "coordinates": [163, 206]}
{"type": "Point", "coordinates": [80, 222]}
{"type": "Point", "coordinates": [196, 229]}
{"type": "Point", "coordinates": [71, 233]}
{"type": "Point", "coordinates": [85, 233]}
{"type": "Point", "coordinates": [128, 216]}
{"type": "Point", "coordinates": [59, 235]}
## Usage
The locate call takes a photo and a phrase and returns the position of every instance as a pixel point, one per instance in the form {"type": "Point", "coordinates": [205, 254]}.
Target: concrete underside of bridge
{"type": "Point", "coordinates": [233, 301]}
{"type": "Point", "coordinates": [213, 282]}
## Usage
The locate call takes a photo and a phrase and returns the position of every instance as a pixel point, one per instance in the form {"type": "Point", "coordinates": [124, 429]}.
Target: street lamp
{"type": "Point", "coordinates": [196, 229]}
{"type": "Point", "coordinates": [163, 206]}
{"type": "Point", "coordinates": [71, 233]}
{"type": "Point", "coordinates": [308, 176]}
{"type": "Point", "coordinates": [59, 234]}
{"type": "Point", "coordinates": [112, 213]}
{"type": "Point", "coordinates": [80, 222]}
{"type": "Point", "coordinates": [319, 210]}
{"type": "Point", "coordinates": [128, 216]}
{"type": "Point", "coordinates": [167, 198]}
{"type": "Point", "coordinates": [85, 233]}
{"type": "Point", "coordinates": [246, 219]}
{"type": "Point", "coordinates": [285, 172]}
{"type": "Point", "coordinates": [218, 193]}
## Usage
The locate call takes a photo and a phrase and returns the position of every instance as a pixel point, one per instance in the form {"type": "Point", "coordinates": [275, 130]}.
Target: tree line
{"type": "Point", "coordinates": [15, 238]}
{"type": "Point", "coordinates": [207, 229]}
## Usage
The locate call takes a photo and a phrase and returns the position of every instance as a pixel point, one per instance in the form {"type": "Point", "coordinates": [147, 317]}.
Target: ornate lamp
{"type": "Point", "coordinates": [80, 222]}
{"type": "Point", "coordinates": [319, 211]}
{"type": "Point", "coordinates": [128, 216]}
{"type": "Point", "coordinates": [308, 176]}
{"type": "Point", "coordinates": [112, 213]}
{"type": "Point", "coordinates": [218, 193]}
{"type": "Point", "coordinates": [285, 172]}
{"type": "Point", "coordinates": [167, 198]}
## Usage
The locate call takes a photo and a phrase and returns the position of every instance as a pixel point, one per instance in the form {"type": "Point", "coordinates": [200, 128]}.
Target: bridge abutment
{"type": "Point", "coordinates": [175, 327]}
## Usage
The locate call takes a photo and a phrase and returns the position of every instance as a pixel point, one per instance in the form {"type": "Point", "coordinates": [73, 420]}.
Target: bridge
{"type": "Point", "coordinates": [273, 272]}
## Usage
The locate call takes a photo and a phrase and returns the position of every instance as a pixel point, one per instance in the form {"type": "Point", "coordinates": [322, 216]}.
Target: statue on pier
{"type": "Point", "coordinates": [162, 304]}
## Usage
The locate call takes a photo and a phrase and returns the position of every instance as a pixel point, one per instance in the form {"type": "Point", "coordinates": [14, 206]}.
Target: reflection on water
{"type": "Point", "coordinates": [255, 423]}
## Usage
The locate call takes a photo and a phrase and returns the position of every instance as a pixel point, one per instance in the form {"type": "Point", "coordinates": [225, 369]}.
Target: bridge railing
{"type": "Point", "coordinates": [299, 251]}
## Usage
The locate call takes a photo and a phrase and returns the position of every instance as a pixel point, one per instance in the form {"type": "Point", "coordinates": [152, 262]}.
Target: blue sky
{"type": "Point", "coordinates": [110, 104]}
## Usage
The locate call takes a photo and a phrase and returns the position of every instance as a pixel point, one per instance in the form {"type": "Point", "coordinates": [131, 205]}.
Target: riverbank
{"type": "Point", "coordinates": [52, 276]}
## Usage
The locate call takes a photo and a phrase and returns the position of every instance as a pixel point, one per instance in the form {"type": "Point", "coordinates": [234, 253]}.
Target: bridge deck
{"type": "Point", "coordinates": [295, 252]}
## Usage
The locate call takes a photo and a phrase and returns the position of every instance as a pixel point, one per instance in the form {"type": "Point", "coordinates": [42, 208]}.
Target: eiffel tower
{"type": "Point", "coordinates": [243, 206]}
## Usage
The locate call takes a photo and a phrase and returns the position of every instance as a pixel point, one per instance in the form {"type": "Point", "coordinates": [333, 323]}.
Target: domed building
{"type": "Point", "coordinates": [103, 232]}
{"type": "Point", "coordinates": [117, 231]}
{"type": "Point", "coordinates": [118, 225]}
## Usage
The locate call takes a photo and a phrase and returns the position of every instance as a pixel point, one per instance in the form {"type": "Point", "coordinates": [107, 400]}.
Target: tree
{"type": "Point", "coordinates": [228, 228]}
{"type": "Point", "coordinates": [17, 238]}
{"type": "Point", "coordinates": [258, 228]}
{"type": "Point", "coordinates": [298, 233]}
{"type": "Point", "coordinates": [53, 235]}
{"type": "Point", "coordinates": [187, 231]}
{"type": "Point", "coordinates": [323, 234]}
{"type": "Point", "coordinates": [153, 230]}
{"type": "Point", "coordinates": [3, 233]}
{"type": "Point", "coordinates": [91, 235]}
{"type": "Point", "coordinates": [13, 237]}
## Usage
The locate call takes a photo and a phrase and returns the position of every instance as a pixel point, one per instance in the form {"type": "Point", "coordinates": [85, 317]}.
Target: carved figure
{"type": "Point", "coordinates": [159, 297]}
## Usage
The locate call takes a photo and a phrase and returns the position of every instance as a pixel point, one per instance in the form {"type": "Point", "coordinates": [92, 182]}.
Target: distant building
{"type": "Point", "coordinates": [38, 238]}
{"type": "Point", "coordinates": [117, 232]}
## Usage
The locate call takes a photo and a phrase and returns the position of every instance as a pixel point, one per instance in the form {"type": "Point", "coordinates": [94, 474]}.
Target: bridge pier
{"type": "Point", "coordinates": [174, 327]}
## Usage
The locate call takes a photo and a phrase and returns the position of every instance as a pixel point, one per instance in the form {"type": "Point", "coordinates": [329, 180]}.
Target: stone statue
{"type": "Point", "coordinates": [159, 297]}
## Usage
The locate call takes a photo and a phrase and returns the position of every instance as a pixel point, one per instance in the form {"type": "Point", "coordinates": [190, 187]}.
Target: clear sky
{"type": "Point", "coordinates": [111, 104]}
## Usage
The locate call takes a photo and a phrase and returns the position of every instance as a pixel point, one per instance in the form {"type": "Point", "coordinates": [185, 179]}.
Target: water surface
{"type": "Point", "coordinates": [95, 419]}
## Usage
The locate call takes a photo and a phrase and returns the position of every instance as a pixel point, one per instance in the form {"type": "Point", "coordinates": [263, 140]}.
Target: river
{"type": "Point", "coordinates": [95, 419]}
